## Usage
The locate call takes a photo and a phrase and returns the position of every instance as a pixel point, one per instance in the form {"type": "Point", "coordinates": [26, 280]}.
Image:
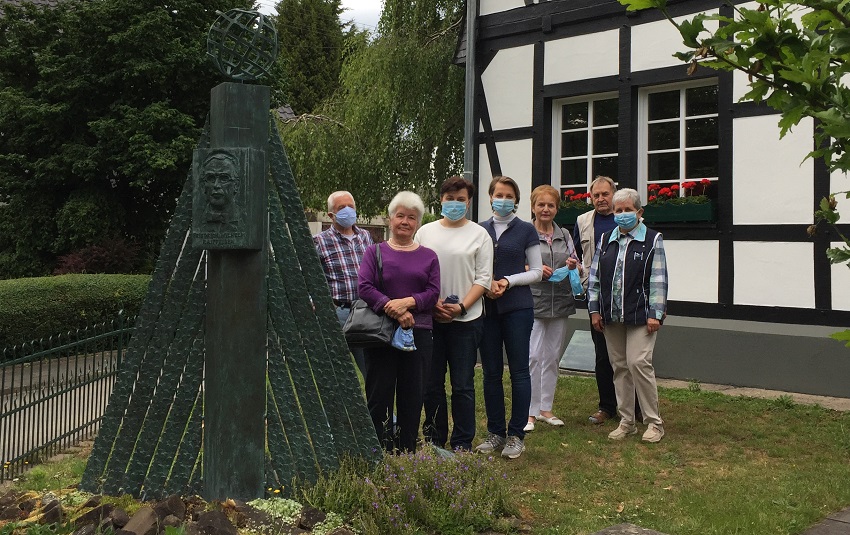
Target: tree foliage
{"type": "Point", "coordinates": [796, 54]}
{"type": "Point", "coordinates": [396, 121]}
{"type": "Point", "coordinates": [101, 104]}
{"type": "Point", "coordinates": [311, 37]}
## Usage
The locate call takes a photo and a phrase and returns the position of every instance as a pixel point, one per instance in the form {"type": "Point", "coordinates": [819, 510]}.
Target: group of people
{"type": "Point", "coordinates": [468, 290]}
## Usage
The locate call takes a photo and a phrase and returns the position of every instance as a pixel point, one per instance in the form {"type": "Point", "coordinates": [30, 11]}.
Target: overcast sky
{"type": "Point", "coordinates": [365, 13]}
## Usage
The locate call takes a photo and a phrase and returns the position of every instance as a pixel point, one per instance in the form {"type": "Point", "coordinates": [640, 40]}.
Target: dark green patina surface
{"type": "Point", "coordinates": [150, 443]}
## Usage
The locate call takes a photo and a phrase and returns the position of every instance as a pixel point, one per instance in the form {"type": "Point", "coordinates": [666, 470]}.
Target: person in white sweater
{"type": "Point", "coordinates": [465, 252]}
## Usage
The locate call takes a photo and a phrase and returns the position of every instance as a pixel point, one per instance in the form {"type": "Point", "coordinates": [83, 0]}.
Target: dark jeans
{"type": "Point", "coordinates": [396, 377]}
{"type": "Point", "coordinates": [455, 347]}
{"type": "Point", "coordinates": [513, 330]}
{"type": "Point", "coordinates": [605, 377]}
{"type": "Point", "coordinates": [357, 352]}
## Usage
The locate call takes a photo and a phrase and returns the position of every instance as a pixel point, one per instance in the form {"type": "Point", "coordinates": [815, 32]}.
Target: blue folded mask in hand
{"type": "Point", "coordinates": [403, 339]}
{"type": "Point", "coordinates": [575, 279]}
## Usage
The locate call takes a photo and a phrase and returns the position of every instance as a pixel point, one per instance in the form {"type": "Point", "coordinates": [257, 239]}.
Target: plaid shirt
{"type": "Point", "coordinates": [340, 258]}
{"type": "Point", "coordinates": [657, 299]}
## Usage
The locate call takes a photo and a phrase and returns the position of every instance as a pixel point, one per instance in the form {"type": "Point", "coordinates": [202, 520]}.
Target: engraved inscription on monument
{"type": "Point", "coordinates": [229, 191]}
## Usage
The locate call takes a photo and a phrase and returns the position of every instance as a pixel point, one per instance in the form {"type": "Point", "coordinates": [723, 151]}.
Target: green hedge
{"type": "Point", "coordinates": [36, 308]}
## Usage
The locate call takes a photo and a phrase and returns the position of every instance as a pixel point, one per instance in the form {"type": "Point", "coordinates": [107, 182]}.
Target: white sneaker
{"type": "Point", "coordinates": [654, 433]}
{"type": "Point", "coordinates": [622, 431]}
{"type": "Point", "coordinates": [490, 444]}
{"type": "Point", "coordinates": [528, 427]}
{"type": "Point", "coordinates": [513, 448]}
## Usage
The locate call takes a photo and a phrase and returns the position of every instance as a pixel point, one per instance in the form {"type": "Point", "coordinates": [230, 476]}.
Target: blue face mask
{"type": "Point", "coordinates": [454, 210]}
{"type": "Point", "coordinates": [626, 220]}
{"type": "Point", "coordinates": [503, 207]}
{"type": "Point", "coordinates": [346, 217]}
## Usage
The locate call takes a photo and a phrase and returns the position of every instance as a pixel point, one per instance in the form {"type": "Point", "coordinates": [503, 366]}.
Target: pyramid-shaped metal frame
{"type": "Point", "coordinates": [151, 436]}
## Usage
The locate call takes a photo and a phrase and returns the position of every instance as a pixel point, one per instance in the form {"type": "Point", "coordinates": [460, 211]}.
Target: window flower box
{"type": "Point", "coordinates": [667, 206]}
{"type": "Point", "coordinates": [568, 215]}
{"type": "Point", "coordinates": [670, 213]}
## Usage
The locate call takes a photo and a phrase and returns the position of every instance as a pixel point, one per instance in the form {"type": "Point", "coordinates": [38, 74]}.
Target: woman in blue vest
{"type": "Point", "coordinates": [627, 301]}
{"type": "Point", "coordinates": [508, 319]}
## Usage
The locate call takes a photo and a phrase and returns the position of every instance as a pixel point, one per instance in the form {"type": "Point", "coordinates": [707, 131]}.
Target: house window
{"type": "Point", "coordinates": [585, 141]}
{"type": "Point", "coordinates": [678, 139]}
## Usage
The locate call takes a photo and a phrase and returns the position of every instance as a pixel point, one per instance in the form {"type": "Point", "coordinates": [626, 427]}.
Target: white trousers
{"type": "Point", "coordinates": [630, 350]}
{"type": "Point", "coordinates": [548, 341]}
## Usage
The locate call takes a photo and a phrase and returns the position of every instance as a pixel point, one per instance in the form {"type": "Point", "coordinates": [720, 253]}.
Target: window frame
{"type": "Point", "coordinates": [556, 180]}
{"type": "Point", "coordinates": [643, 123]}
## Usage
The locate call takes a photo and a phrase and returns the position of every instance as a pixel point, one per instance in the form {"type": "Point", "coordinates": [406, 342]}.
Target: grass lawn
{"type": "Point", "coordinates": [726, 465]}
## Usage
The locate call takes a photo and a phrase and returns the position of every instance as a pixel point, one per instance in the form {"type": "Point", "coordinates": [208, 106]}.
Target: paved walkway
{"type": "Point", "coordinates": [835, 524]}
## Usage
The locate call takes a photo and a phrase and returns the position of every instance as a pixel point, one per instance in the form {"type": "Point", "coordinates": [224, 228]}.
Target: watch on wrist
{"type": "Point", "coordinates": [462, 310]}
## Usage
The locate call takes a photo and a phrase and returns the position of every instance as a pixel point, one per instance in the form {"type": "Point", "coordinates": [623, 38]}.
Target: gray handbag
{"type": "Point", "coordinates": [364, 327]}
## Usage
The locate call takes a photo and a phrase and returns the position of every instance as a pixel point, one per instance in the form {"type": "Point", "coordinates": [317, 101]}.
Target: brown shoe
{"type": "Point", "coordinates": [598, 418]}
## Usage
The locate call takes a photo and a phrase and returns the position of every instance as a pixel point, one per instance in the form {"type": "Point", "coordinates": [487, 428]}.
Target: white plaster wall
{"type": "Point", "coordinates": [654, 43]}
{"type": "Point", "coordinates": [772, 182]}
{"type": "Point", "coordinates": [839, 181]}
{"type": "Point", "coordinates": [509, 86]}
{"type": "Point", "coordinates": [515, 161]}
{"type": "Point", "coordinates": [774, 274]}
{"type": "Point", "coordinates": [488, 7]}
{"type": "Point", "coordinates": [581, 57]}
{"type": "Point", "coordinates": [740, 85]}
{"type": "Point", "coordinates": [692, 268]}
{"type": "Point", "coordinates": [840, 284]}
{"type": "Point", "coordinates": [484, 177]}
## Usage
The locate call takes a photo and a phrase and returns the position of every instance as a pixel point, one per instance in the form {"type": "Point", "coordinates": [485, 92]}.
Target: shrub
{"type": "Point", "coordinates": [40, 307]}
{"type": "Point", "coordinates": [115, 255]}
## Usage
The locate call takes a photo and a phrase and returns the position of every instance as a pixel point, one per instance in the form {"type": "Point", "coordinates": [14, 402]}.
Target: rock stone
{"type": "Point", "coordinates": [10, 498]}
{"type": "Point", "coordinates": [215, 523]}
{"type": "Point", "coordinates": [88, 529]}
{"type": "Point", "coordinates": [48, 497]}
{"type": "Point", "coordinates": [27, 506]}
{"type": "Point", "coordinates": [144, 522]}
{"type": "Point", "coordinates": [173, 505]}
{"type": "Point", "coordinates": [342, 530]}
{"type": "Point", "coordinates": [12, 512]}
{"type": "Point", "coordinates": [94, 501]}
{"type": "Point", "coordinates": [51, 513]}
{"type": "Point", "coordinates": [310, 516]}
{"type": "Point", "coordinates": [170, 521]}
{"type": "Point", "coordinates": [119, 517]}
{"type": "Point", "coordinates": [94, 516]}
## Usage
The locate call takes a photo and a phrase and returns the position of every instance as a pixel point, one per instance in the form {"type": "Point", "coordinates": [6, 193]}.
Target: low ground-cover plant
{"type": "Point", "coordinates": [425, 492]}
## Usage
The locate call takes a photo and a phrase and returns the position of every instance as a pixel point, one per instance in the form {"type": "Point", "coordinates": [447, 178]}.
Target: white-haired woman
{"type": "Point", "coordinates": [627, 301]}
{"type": "Point", "coordinates": [410, 289]}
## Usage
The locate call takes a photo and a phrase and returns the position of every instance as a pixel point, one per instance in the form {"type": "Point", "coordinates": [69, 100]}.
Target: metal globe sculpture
{"type": "Point", "coordinates": [242, 44]}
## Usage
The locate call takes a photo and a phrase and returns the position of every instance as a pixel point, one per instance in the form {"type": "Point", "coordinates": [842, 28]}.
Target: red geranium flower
{"type": "Point", "coordinates": [705, 182]}
{"type": "Point", "coordinates": [569, 193]}
{"type": "Point", "coordinates": [652, 198]}
{"type": "Point", "coordinates": [674, 187]}
{"type": "Point", "coordinates": [665, 191]}
{"type": "Point", "coordinates": [689, 185]}
{"type": "Point", "coordinates": [653, 187]}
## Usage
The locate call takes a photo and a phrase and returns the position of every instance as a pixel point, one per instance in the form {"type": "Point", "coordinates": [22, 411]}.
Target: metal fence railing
{"type": "Point", "coordinates": [54, 391]}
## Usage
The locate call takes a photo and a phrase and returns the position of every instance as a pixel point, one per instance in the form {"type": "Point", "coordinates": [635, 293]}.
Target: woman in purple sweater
{"type": "Point", "coordinates": [411, 287]}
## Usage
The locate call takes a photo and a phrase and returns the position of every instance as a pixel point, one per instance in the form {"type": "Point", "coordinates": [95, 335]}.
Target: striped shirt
{"type": "Point", "coordinates": [657, 299]}
{"type": "Point", "coordinates": [340, 258]}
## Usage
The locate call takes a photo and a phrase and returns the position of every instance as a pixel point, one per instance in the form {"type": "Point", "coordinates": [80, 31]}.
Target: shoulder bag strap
{"type": "Point", "coordinates": [380, 267]}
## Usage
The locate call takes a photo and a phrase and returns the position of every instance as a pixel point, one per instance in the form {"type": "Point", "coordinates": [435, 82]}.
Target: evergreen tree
{"type": "Point", "coordinates": [101, 104]}
{"type": "Point", "coordinates": [311, 38]}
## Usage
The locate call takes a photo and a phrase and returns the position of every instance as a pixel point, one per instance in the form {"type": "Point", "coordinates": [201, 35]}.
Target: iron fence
{"type": "Point", "coordinates": [53, 391]}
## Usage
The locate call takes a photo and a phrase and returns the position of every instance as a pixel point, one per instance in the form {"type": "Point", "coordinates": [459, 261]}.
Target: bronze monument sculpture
{"type": "Point", "coordinates": [222, 392]}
